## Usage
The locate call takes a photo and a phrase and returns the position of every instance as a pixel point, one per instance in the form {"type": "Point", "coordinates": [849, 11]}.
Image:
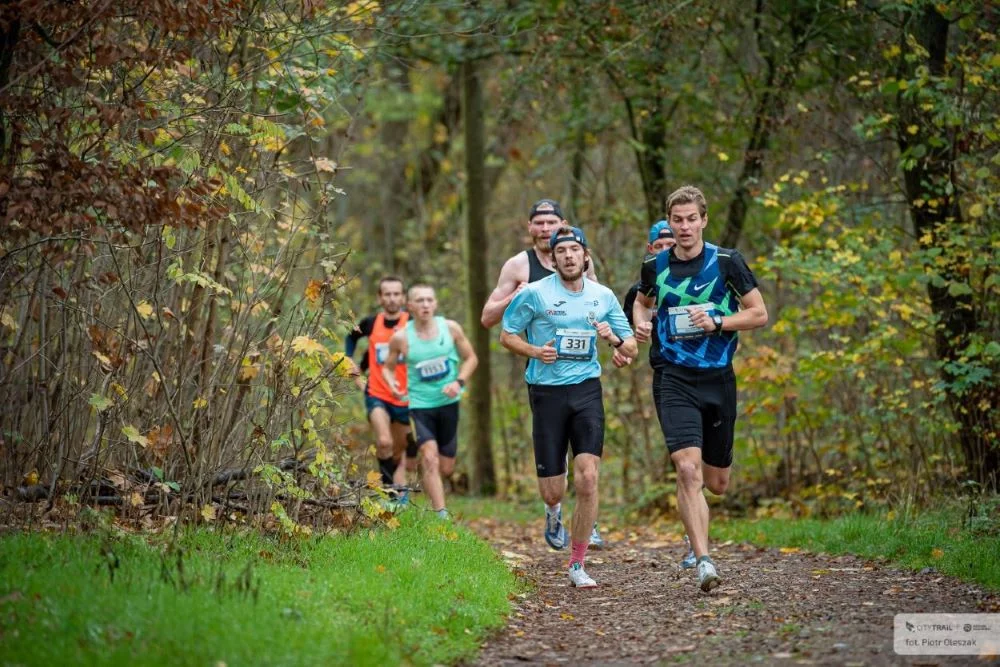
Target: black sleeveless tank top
{"type": "Point", "coordinates": [535, 269]}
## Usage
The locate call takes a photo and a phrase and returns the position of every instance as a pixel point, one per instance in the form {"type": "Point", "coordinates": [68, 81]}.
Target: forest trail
{"type": "Point", "coordinates": [774, 607]}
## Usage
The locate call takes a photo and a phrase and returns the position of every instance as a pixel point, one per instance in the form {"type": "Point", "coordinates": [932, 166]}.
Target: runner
{"type": "Point", "coordinates": [705, 295]}
{"type": "Point", "coordinates": [660, 239]}
{"type": "Point", "coordinates": [529, 266]}
{"type": "Point", "coordinates": [526, 267]}
{"type": "Point", "coordinates": [563, 316]}
{"type": "Point", "coordinates": [389, 417]}
{"type": "Point", "coordinates": [432, 348]}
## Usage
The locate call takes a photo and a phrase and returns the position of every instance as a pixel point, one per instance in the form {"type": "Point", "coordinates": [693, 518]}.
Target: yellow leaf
{"type": "Point", "coordinates": [199, 403]}
{"type": "Point", "coordinates": [249, 372]}
{"type": "Point", "coordinates": [789, 550]}
{"type": "Point", "coordinates": [324, 164]}
{"type": "Point", "coordinates": [912, 129]}
{"type": "Point", "coordinates": [306, 345]}
{"type": "Point", "coordinates": [7, 320]}
{"type": "Point", "coordinates": [976, 210]}
{"type": "Point", "coordinates": [144, 309]}
{"type": "Point", "coordinates": [373, 479]}
{"type": "Point", "coordinates": [136, 499]}
{"type": "Point", "coordinates": [566, 617]}
{"type": "Point", "coordinates": [103, 359]}
{"type": "Point", "coordinates": [393, 523]}
{"type": "Point", "coordinates": [132, 433]}
{"type": "Point", "coordinates": [208, 512]}
{"type": "Point", "coordinates": [31, 478]}
{"type": "Point", "coordinates": [722, 157]}
{"type": "Point", "coordinates": [380, 569]}
{"type": "Point", "coordinates": [313, 290]}
{"type": "Point", "coordinates": [936, 553]}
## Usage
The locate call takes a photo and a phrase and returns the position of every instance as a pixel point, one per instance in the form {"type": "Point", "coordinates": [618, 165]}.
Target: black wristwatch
{"type": "Point", "coordinates": [717, 321]}
{"type": "Point", "coordinates": [621, 341]}
{"type": "Point", "coordinates": [461, 382]}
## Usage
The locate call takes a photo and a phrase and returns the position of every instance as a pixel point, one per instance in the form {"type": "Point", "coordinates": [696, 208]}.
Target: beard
{"type": "Point", "coordinates": [570, 274]}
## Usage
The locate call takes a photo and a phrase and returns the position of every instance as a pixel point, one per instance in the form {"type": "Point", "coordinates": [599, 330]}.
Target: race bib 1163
{"type": "Point", "coordinates": [432, 369]}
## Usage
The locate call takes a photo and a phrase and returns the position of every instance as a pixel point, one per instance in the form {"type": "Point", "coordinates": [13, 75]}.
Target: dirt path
{"type": "Point", "coordinates": [773, 607]}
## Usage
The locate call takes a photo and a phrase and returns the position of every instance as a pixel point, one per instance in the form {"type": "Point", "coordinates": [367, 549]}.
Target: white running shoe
{"type": "Point", "coordinates": [708, 577]}
{"type": "Point", "coordinates": [579, 578]}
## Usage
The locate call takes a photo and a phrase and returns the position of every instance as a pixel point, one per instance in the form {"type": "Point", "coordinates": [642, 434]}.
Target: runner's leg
{"type": "Point", "coordinates": [399, 437]}
{"type": "Point", "coordinates": [430, 474]}
{"type": "Point", "coordinates": [690, 499]}
{"type": "Point", "coordinates": [379, 419]}
{"type": "Point", "coordinates": [585, 477]}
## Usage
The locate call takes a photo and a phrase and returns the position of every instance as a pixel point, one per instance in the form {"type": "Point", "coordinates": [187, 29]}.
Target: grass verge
{"type": "Point", "coordinates": [426, 593]}
{"type": "Point", "coordinates": [939, 538]}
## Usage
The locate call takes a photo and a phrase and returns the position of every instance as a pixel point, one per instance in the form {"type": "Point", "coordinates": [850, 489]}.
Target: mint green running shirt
{"type": "Point", "coordinates": [430, 365]}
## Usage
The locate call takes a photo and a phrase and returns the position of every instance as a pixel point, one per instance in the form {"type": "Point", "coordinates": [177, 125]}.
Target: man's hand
{"type": "Point", "coordinates": [701, 319]}
{"type": "Point", "coordinates": [452, 389]}
{"type": "Point", "coordinates": [620, 360]}
{"type": "Point", "coordinates": [394, 388]}
{"type": "Point", "coordinates": [605, 332]}
{"type": "Point", "coordinates": [644, 332]}
{"type": "Point", "coordinates": [546, 353]}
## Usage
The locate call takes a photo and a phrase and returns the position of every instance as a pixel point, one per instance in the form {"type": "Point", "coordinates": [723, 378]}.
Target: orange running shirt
{"type": "Point", "coordinates": [378, 347]}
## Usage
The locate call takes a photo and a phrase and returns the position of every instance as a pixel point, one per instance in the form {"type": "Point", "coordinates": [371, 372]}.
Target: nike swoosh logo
{"type": "Point", "coordinates": [698, 288]}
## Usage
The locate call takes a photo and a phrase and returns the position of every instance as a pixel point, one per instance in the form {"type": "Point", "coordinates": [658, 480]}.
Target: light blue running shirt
{"type": "Point", "coordinates": [547, 311]}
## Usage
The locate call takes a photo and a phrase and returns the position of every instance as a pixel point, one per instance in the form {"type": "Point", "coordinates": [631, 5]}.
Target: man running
{"type": "Point", "coordinates": [529, 266]}
{"type": "Point", "coordinates": [705, 295]}
{"type": "Point", "coordinates": [439, 361]}
{"type": "Point", "coordinates": [389, 416]}
{"type": "Point", "coordinates": [660, 239]}
{"type": "Point", "coordinates": [524, 268]}
{"type": "Point", "coordinates": [563, 316]}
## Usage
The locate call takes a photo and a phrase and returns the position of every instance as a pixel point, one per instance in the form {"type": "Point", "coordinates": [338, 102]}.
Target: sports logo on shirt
{"type": "Point", "coordinates": [551, 312]}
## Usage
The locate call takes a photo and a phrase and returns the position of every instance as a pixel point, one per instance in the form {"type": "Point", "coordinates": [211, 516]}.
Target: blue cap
{"type": "Point", "coordinates": [660, 230]}
{"type": "Point", "coordinates": [577, 236]}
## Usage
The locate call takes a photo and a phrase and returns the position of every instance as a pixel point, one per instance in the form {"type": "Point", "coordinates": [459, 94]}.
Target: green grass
{"type": "Point", "coordinates": [425, 593]}
{"type": "Point", "coordinates": [937, 538]}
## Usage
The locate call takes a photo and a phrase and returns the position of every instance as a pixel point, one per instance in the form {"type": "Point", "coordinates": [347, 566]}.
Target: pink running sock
{"type": "Point", "coordinates": [578, 552]}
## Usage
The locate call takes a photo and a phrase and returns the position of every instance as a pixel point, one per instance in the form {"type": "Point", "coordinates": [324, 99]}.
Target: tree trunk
{"type": "Point", "coordinates": [782, 70]}
{"type": "Point", "coordinates": [933, 177]}
{"type": "Point", "coordinates": [476, 255]}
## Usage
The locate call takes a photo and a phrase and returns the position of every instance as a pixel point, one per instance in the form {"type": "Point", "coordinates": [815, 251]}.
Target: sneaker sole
{"type": "Point", "coordinates": [710, 583]}
{"type": "Point", "coordinates": [582, 586]}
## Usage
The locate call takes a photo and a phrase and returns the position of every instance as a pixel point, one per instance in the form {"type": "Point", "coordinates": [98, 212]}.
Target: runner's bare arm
{"type": "Point", "coordinates": [469, 359]}
{"type": "Point", "coordinates": [397, 348]}
{"type": "Point", "coordinates": [513, 278]}
{"type": "Point", "coordinates": [517, 345]}
{"type": "Point", "coordinates": [752, 315]}
{"type": "Point", "coordinates": [642, 316]}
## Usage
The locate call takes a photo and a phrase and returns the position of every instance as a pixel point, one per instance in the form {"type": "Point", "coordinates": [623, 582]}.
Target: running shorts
{"type": "Point", "coordinates": [697, 408]}
{"type": "Point", "coordinates": [439, 424]}
{"type": "Point", "coordinates": [565, 416]}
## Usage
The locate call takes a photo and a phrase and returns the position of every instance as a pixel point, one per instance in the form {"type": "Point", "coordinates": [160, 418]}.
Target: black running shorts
{"type": "Point", "coordinates": [438, 424]}
{"type": "Point", "coordinates": [566, 416]}
{"type": "Point", "coordinates": [697, 408]}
